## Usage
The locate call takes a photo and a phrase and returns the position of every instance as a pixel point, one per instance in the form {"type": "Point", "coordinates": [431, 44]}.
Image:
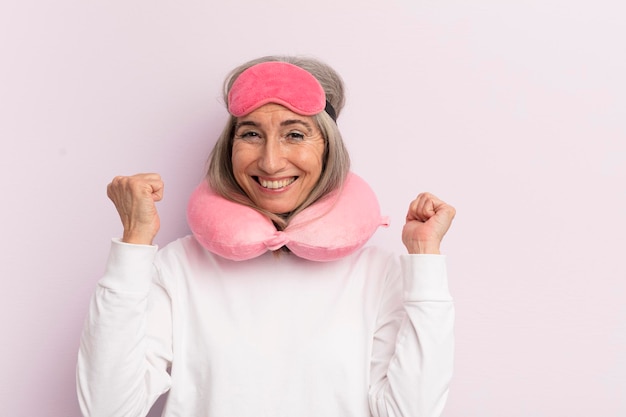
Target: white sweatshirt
{"type": "Point", "coordinates": [368, 335]}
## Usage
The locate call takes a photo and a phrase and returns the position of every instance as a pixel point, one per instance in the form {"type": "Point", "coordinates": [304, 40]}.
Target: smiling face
{"type": "Point", "coordinates": [277, 157]}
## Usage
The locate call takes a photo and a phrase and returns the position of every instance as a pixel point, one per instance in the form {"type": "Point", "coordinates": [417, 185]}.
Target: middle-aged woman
{"type": "Point", "coordinates": [275, 305]}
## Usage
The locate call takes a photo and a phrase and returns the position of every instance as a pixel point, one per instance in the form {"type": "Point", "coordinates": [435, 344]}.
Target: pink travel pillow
{"type": "Point", "coordinates": [332, 228]}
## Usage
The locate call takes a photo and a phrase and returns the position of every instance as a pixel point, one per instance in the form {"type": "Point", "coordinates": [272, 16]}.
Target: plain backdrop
{"type": "Point", "coordinates": [514, 112]}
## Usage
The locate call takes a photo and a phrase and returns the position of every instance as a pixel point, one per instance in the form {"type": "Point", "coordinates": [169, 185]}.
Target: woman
{"type": "Point", "coordinates": [273, 306]}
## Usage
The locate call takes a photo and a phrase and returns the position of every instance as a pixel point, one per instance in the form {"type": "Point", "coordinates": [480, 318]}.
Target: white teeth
{"type": "Point", "coordinates": [276, 184]}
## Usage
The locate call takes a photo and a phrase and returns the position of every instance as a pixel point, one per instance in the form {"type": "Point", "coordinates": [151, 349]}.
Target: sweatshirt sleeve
{"type": "Point", "coordinates": [125, 348]}
{"type": "Point", "coordinates": [413, 349]}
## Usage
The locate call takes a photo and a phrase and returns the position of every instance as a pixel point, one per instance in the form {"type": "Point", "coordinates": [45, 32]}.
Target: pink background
{"type": "Point", "coordinates": [514, 112]}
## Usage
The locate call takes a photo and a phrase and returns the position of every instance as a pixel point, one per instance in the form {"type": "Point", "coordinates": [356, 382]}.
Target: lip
{"type": "Point", "coordinates": [275, 185]}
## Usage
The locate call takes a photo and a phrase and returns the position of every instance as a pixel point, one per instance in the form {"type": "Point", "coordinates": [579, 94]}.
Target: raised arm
{"type": "Point", "coordinates": [125, 348]}
{"type": "Point", "coordinates": [413, 349]}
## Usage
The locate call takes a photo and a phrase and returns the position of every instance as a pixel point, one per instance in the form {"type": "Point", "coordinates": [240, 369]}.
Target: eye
{"type": "Point", "coordinates": [249, 135]}
{"type": "Point", "coordinates": [295, 136]}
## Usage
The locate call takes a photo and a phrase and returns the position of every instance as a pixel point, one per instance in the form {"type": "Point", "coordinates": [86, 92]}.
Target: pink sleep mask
{"type": "Point", "coordinates": [276, 82]}
{"type": "Point", "coordinates": [334, 227]}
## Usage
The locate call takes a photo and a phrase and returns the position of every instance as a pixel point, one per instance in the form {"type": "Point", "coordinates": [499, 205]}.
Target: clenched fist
{"type": "Point", "coordinates": [134, 198]}
{"type": "Point", "coordinates": [427, 221]}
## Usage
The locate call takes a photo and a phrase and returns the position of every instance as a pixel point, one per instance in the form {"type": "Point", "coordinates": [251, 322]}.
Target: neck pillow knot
{"type": "Point", "coordinates": [333, 227]}
{"type": "Point", "coordinates": [277, 241]}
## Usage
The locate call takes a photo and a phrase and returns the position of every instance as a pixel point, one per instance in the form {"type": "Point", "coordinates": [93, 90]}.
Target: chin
{"type": "Point", "coordinates": [279, 211]}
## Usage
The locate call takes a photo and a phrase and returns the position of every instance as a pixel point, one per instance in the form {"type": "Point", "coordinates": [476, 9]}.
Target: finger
{"type": "Point", "coordinates": [146, 184]}
{"type": "Point", "coordinates": [414, 210]}
{"type": "Point", "coordinates": [115, 186]}
{"type": "Point", "coordinates": [136, 186]}
{"type": "Point", "coordinates": [426, 206]}
{"type": "Point", "coordinates": [422, 208]}
{"type": "Point", "coordinates": [412, 213]}
{"type": "Point", "coordinates": [149, 185]}
{"type": "Point", "coordinates": [157, 189]}
{"type": "Point", "coordinates": [443, 214]}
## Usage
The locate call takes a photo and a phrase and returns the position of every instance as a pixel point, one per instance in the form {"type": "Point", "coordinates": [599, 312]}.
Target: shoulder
{"type": "Point", "coordinates": [183, 246]}
{"type": "Point", "coordinates": [377, 255]}
{"type": "Point", "coordinates": [183, 253]}
{"type": "Point", "coordinates": [374, 262]}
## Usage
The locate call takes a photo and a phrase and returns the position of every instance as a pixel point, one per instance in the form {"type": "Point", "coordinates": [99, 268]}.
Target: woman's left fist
{"type": "Point", "coordinates": [427, 221]}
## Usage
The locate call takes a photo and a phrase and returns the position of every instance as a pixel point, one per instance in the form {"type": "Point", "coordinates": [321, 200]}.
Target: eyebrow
{"type": "Point", "coordinates": [245, 123]}
{"type": "Point", "coordinates": [288, 122]}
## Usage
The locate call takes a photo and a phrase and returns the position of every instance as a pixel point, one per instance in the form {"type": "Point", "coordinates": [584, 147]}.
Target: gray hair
{"type": "Point", "coordinates": [336, 160]}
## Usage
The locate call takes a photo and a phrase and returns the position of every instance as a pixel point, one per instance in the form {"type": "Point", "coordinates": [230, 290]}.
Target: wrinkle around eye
{"type": "Point", "coordinates": [248, 136]}
{"type": "Point", "coordinates": [296, 136]}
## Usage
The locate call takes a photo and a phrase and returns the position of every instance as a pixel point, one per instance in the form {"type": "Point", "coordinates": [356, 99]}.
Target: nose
{"type": "Point", "coordinates": [272, 157]}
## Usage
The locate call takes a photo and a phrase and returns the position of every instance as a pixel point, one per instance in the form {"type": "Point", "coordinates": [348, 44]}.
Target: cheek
{"type": "Point", "coordinates": [240, 158]}
{"type": "Point", "coordinates": [313, 158]}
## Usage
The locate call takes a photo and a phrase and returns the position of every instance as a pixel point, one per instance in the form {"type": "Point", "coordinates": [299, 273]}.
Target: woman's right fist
{"type": "Point", "coordinates": [134, 199]}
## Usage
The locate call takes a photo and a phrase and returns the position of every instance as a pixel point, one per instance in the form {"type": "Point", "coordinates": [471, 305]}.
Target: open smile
{"type": "Point", "coordinates": [275, 184]}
